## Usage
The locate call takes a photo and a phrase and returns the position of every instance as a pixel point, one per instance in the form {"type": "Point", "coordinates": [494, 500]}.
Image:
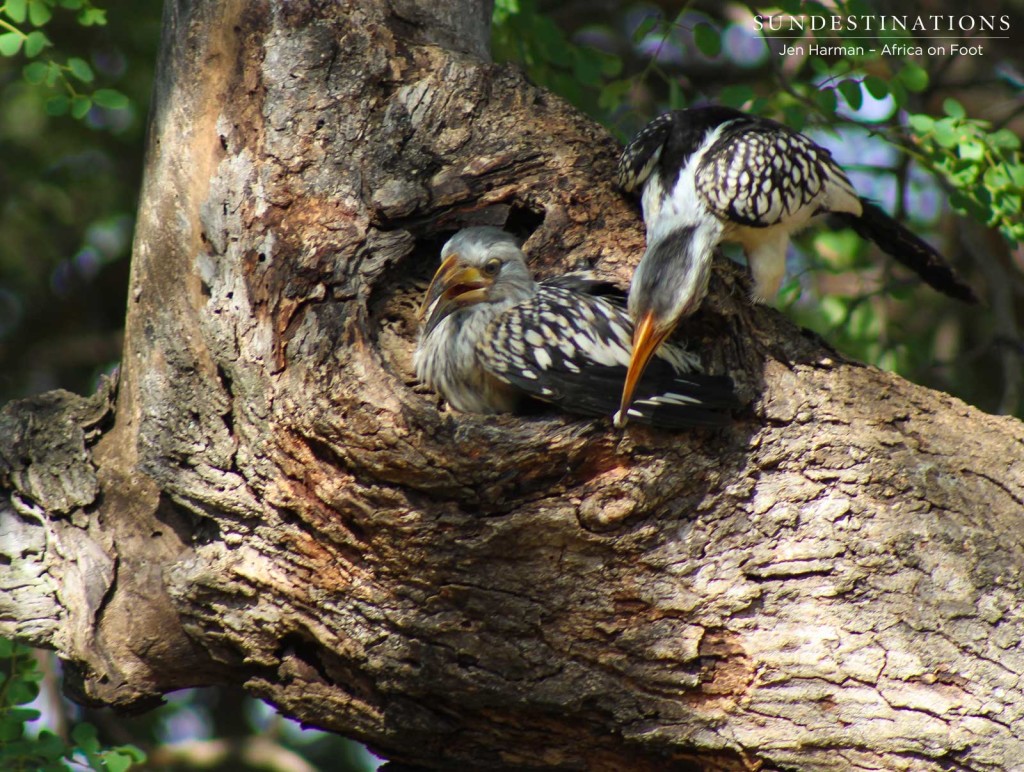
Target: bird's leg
{"type": "Point", "coordinates": [767, 260]}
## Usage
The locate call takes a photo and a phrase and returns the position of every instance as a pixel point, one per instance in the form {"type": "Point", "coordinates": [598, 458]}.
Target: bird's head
{"type": "Point", "coordinates": [650, 331]}
{"type": "Point", "coordinates": [478, 265]}
{"type": "Point", "coordinates": [669, 284]}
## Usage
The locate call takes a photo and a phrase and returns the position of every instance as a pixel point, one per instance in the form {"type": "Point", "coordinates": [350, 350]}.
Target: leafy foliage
{"type": "Point", "coordinates": [205, 728]}
{"type": "Point", "coordinates": [68, 190]}
{"type": "Point", "coordinates": [20, 751]}
{"type": "Point", "coordinates": [65, 79]}
{"type": "Point", "coordinates": [551, 60]}
{"type": "Point", "coordinates": [982, 166]}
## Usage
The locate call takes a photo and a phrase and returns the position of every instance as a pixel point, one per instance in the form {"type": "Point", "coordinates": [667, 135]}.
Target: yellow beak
{"type": "Point", "coordinates": [453, 286]}
{"type": "Point", "coordinates": [646, 339]}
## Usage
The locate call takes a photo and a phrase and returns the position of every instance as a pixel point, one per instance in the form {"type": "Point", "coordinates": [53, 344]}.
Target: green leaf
{"type": "Point", "coordinates": [586, 67]}
{"type": "Point", "coordinates": [611, 96]}
{"type": "Point", "coordinates": [953, 109]}
{"type": "Point", "coordinates": [833, 308]}
{"type": "Point", "coordinates": [850, 89]}
{"type": "Point", "coordinates": [550, 42]}
{"type": "Point", "coordinates": [92, 17]}
{"type": "Point", "coordinates": [1011, 203]}
{"type": "Point", "coordinates": [17, 10]}
{"type": "Point", "coordinates": [84, 736]}
{"type": "Point", "coordinates": [840, 248]}
{"type": "Point", "coordinates": [80, 69]}
{"type": "Point", "coordinates": [965, 178]}
{"type": "Point", "coordinates": [914, 77]}
{"type": "Point", "coordinates": [796, 117]}
{"type": "Point", "coordinates": [946, 133]}
{"type": "Point", "coordinates": [971, 149]}
{"type": "Point", "coordinates": [996, 178]}
{"type": "Point", "coordinates": [503, 9]}
{"type": "Point", "coordinates": [21, 691]}
{"type": "Point", "coordinates": [35, 42]}
{"type": "Point", "coordinates": [877, 87]}
{"type": "Point", "coordinates": [921, 123]}
{"type": "Point", "coordinates": [111, 99]}
{"type": "Point", "coordinates": [49, 745]}
{"type": "Point", "coordinates": [899, 93]}
{"type": "Point", "coordinates": [960, 202]}
{"type": "Point", "coordinates": [819, 65]}
{"type": "Point", "coordinates": [10, 731]}
{"type": "Point", "coordinates": [57, 105]}
{"type": "Point", "coordinates": [71, 5]}
{"type": "Point", "coordinates": [983, 196]}
{"type": "Point", "coordinates": [36, 72]}
{"type": "Point", "coordinates": [39, 13]}
{"type": "Point", "coordinates": [23, 715]}
{"type": "Point", "coordinates": [611, 66]}
{"type": "Point", "coordinates": [842, 67]}
{"type": "Point", "coordinates": [116, 762]}
{"type": "Point", "coordinates": [135, 753]}
{"type": "Point", "coordinates": [10, 43]}
{"type": "Point", "coordinates": [80, 106]}
{"type": "Point", "coordinates": [565, 84]}
{"type": "Point", "coordinates": [1006, 139]}
{"type": "Point", "coordinates": [826, 100]}
{"type": "Point", "coordinates": [7, 648]}
{"type": "Point", "coordinates": [759, 105]}
{"type": "Point", "coordinates": [736, 96]}
{"type": "Point", "coordinates": [708, 40]}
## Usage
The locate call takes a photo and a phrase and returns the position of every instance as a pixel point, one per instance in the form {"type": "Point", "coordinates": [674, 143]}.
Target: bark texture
{"type": "Point", "coordinates": [268, 498]}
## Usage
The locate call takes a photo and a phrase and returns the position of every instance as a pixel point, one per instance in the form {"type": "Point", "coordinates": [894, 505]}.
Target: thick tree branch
{"type": "Point", "coordinates": [831, 583]}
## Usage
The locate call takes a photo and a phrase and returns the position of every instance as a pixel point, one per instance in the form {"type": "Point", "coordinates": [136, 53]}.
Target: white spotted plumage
{"type": "Point", "coordinates": [714, 174]}
{"type": "Point", "coordinates": [559, 340]}
{"type": "Point", "coordinates": [725, 176]}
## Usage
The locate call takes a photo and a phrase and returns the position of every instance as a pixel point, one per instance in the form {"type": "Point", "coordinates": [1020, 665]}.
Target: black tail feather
{"type": "Point", "coordinates": [688, 400]}
{"type": "Point", "coordinates": [906, 247]}
{"type": "Point", "coordinates": [664, 398]}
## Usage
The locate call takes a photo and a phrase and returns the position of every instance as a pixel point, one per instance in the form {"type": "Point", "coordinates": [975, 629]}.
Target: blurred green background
{"type": "Point", "coordinates": [933, 138]}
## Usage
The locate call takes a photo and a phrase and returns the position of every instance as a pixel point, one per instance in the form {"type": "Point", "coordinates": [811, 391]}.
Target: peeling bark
{"type": "Point", "coordinates": [831, 583]}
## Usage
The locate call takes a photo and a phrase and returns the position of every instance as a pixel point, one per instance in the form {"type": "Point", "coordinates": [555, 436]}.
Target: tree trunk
{"type": "Point", "coordinates": [268, 498]}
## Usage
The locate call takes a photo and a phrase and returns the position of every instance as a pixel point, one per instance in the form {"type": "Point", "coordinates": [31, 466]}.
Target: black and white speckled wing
{"type": "Point", "coordinates": [760, 173]}
{"type": "Point", "coordinates": [572, 350]}
{"type": "Point", "coordinates": [642, 154]}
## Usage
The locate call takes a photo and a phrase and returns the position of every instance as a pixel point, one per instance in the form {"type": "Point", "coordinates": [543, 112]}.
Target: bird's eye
{"type": "Point", "coordinates": [492, 266]}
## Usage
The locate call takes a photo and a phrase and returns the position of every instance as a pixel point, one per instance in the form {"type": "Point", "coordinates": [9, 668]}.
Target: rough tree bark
{"type": "Point", "coordinates": [267, 498]}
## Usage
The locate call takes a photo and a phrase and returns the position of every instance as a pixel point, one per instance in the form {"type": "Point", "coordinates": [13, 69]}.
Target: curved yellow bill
{"type": "Point", "coordinates": [646, 339]}
{"type": "Point", "coordinates": [439, 283]}
{"type": "Point", "coordinates": [454, 286]}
